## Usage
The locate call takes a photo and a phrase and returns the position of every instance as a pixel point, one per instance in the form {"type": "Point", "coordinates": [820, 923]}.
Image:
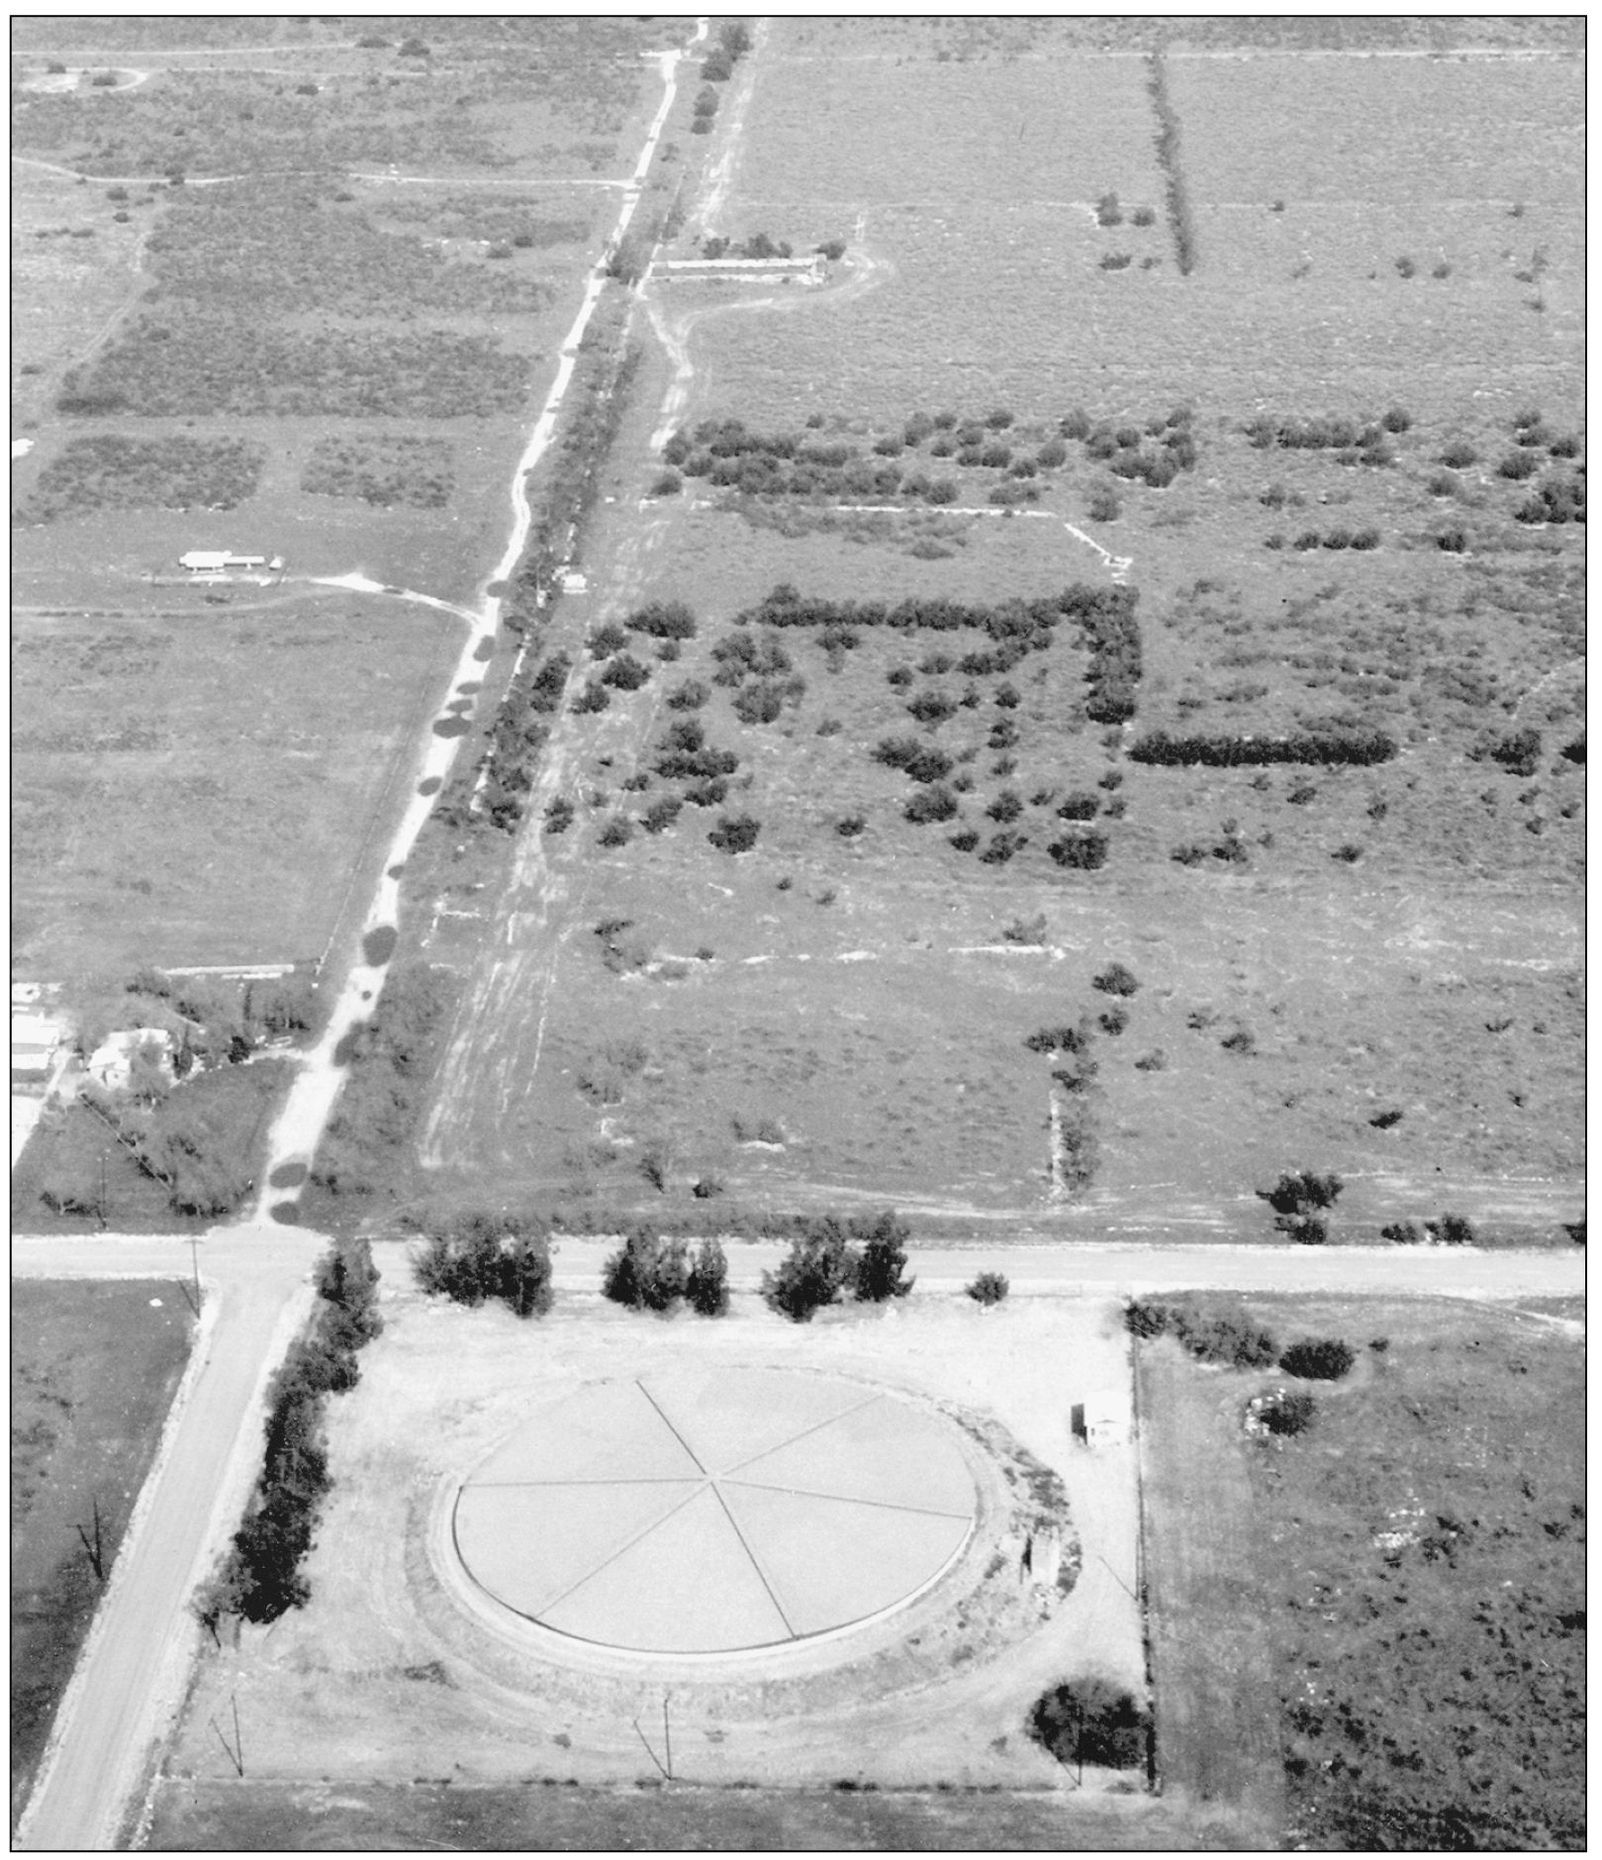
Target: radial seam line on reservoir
{"type": "Point", "coordinates": [622, 1550]}
{"type": "Point", "coordinates": [846, 1498]}
{"type": "Point", "coordinates": [671, 1428]}
{"type": "Point", "coordinates": [817, 1427]}
{"type": "Point", "coordinates": [762, 1575]}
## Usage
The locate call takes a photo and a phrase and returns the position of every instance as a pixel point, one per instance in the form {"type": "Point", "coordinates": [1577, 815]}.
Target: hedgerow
{"type": "Point", "coordinates": [1350, 748]}
{"type": "Point", "coordinates": [260, 1577]}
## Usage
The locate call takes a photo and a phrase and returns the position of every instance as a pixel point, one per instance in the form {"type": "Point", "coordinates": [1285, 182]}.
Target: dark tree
{"type": "Point", "coordinates": [989, 1288]}
{"type": "Point", "coordinates": [883, 1262]}
{"type": "Point", "coordinates": [707, 1286]}
{"type": "Point", "coordinates": [1318, 1359]}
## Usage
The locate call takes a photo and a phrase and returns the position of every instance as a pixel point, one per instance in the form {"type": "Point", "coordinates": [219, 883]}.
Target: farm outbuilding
{"type": "Point", "coordinates": [1098, 1421]}
{"type": "Point", "coordinates": [225, 562]}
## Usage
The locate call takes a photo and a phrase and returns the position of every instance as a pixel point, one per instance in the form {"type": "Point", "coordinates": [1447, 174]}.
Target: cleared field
{"type": "Point", "coordinates": [1376, 967]}
{"type": "Point", "coordinates": [93, 1369]}
{"type": "Point", "coordinates": [998, 229]}
{"type": "Point", "coordinates": [197, 785]}
{"type": "Point", "coordinates": [1214, 1682]}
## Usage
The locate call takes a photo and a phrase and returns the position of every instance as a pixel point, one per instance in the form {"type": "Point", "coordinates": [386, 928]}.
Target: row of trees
{"type": "Point", "coordinates": [654, 1273]}
{"type": "Point", "coordinates": [832, 1260]}
{"type": "Point", "coordinates": [261, 1576]}
{"type": "Point", "coordinates": [1326, 748]}
{"type": "Point", "coordinates": [478, 1257]}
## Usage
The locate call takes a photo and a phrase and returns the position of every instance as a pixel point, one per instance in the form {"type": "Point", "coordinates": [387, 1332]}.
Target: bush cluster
{"type": "Point", "coordinates": [1557, 500]}
{"type": "Point", "coordinates": [1093, 1721]}
{"type": "Point", "coordinates": [475, 1257]}
{"type": "Point", "coordinates": [1219, 1331]}
{"type": "Point", "coordinates": [517, 738]}
{"type": "Point", "coordinates": [830, 1259]}
{"type": "Point", "coordinates": [1122, 447]}
{"type": "Point", "coordinates": [1318, 1359]}
{"type": "Point", "coordinates": [1355, 441]}
{"type": "Point", "coordinates": [260, 1577]}
{"type": "Point", "coordinates": [653, 1273]}
{"type": "Point", "coordinates": [1299, 1201]}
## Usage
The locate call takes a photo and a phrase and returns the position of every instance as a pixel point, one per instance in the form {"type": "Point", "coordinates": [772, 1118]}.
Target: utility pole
{"type": "Point", "coordinates": [667, 1736]}
{"type": "Point", "coordinates": [194, 1255]}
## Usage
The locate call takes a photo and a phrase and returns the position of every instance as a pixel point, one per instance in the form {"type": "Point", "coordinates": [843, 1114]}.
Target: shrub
{"type": "Point", "coordinates": [882, 1263]}
{"type": "Point", "coordinates": [1092, 1721]}
{"type": "Point", "coordinates": [663, 620]}
{"type": "Point", "coordinates": [1116, 261]}
{"type": "Point", "coordinates": [932, 804]}
{"type": "Point", "coordinates": [1144, 216]}
{"type": "Point", "coordinates": [965, 840]}
{"type": "Point", "coordinates": [649, 1273]}
{"type": "Point", "coordinates": [850, 825]}
{"type": "Point", "coordinates": [618, 831]}
{"type": "Point", "coordinates": [1114, 1020]}
{"type": "Point", "coordinates": [1081, 804]}
{"type": "Point", "coordinates": [735, 833]}
{"type": "Point", "coordinates": [989, 1288]}
{"type": "Point", "coordinates": [1396, 420]}
{"type": "Point", "coordinates": [1028, 933]}
{"type": "Point", "coordinates": [1518, 466]}
{"type": "Point", "coordinates": [1451, 1230]}
{"type": "Point", "coordinates": [1006, 807]}
{"type": "Point", "coordinates": [1318, 1359]}
{"type": "Point", "coordinates": [819, 1266]}
{"type": "Point", "coordinates": [1103, 505]}
{"type": "Point", "coordinates": [661, 814]}
{"type": "Point", "coordinates": [1458, 453]}
{"type": "Point", "coordinates": [1286, 1411]}
{"type": "Point", "coordinates": [706, 1287]}
{"type": "Point", "coordinates": [691, 695]}
{"type": "Point", "coordinates": [1080, 852]}
{"type": "Point", "coordinates": [1115, 979]}
{"type": "Point", "coordinates": [626, 673]}
{"type": "Point", "coordinates": [1108, 211]}
{"type": "Point", "coordinates": [1295, 1193]}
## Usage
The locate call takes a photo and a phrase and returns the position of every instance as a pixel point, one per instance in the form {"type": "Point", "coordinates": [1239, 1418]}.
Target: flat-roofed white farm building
{"type": "Point", "coordinates": [224, 561]}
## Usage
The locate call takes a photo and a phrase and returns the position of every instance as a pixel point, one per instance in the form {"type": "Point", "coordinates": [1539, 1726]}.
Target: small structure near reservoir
{"type": "Point", "coordinates": [1098, 1422]}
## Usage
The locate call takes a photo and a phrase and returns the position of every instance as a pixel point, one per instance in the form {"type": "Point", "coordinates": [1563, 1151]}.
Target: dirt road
{"type": "Point", "coordinates": [131, 1676]}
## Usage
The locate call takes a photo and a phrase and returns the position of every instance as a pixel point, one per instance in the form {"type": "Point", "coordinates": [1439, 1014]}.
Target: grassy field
{"type": "Point", "coordinates": [196, 784]}
{"type": "Point", "coordinates": [1426, 1529]}
{"type": "Point", "coordinates": [195, 1817]}
{"type": "Point", "coordinates": [1215, 1695]}
{"type": "Point", "coordinates": [335, 367]}
{"type": "Point", "coordinates": [93, 1369]}
{"type": "Point", "coordinates": [73, 1152]}
{"type": "Point", "coordinates": [1370, 969]}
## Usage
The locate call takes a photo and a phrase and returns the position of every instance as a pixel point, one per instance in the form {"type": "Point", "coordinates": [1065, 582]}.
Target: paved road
{"type": "Point", "coordinates": [131, 1676]}
{"type": "Point", "coordinates": [1452, 1272]}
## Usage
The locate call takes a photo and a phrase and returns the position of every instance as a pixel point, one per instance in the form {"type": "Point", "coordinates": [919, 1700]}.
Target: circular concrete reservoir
{"type": "Point", "coordinates": [709, 1512]}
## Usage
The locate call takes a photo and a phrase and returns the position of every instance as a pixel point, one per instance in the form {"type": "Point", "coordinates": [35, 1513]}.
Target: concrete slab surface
{"type": "Point", "coordinates": [703, 1512]}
